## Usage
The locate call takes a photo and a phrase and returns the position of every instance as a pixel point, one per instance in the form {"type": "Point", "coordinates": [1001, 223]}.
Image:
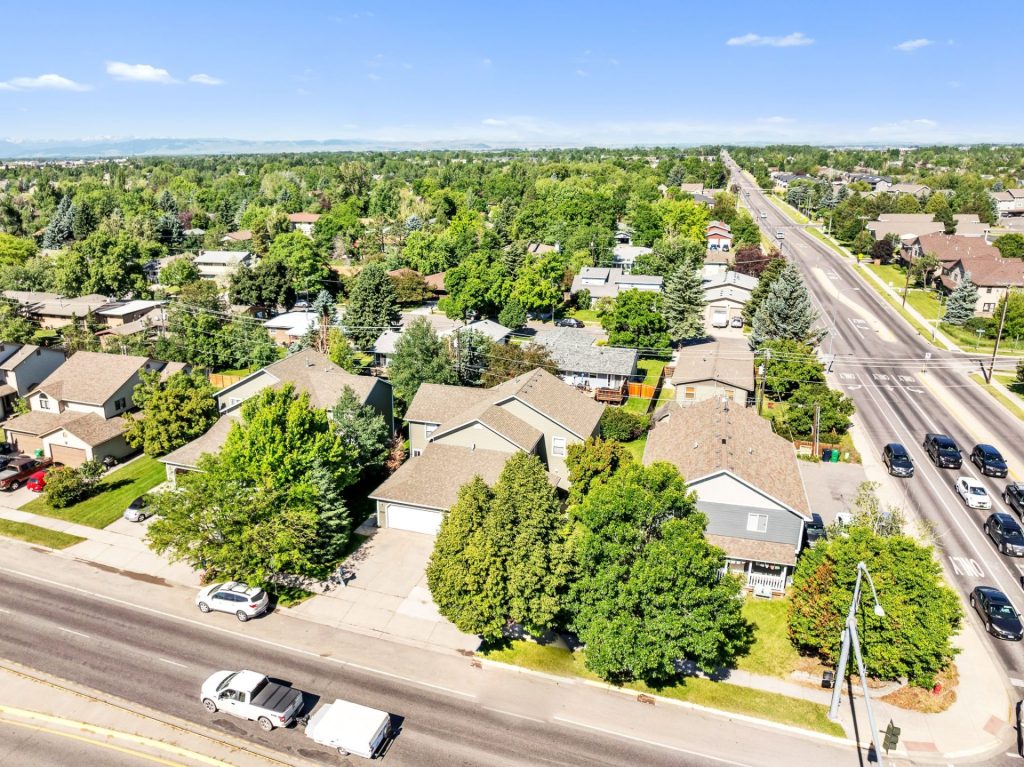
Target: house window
{"type": "Point", "coordinates": [119, 404]}
{"type": "Point", "coordinates": [988, 290]}
{"type": "Point", "coordinates": [988, 307]}
{"type": "Point", "coordinates": [690, 393]}
{"type": "Point", "coordinates": [44, 402]}
{"type": "Point", "coordinates": [757, 523]}
{"type": "Point", "coordinates": [416, 453]}
{"type": "Point", "coordinates": [430, 428]}
{"type": "Point", "coordinates": [558, 446]}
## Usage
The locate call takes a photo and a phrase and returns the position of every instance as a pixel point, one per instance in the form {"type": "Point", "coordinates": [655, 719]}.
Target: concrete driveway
{"type": "Point", "coordinates": [831, 487]}
{"type": "Point", "coordinates": [386, 595]}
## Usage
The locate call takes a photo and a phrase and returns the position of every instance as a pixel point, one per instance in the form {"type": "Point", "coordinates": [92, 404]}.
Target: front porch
{"type": "Point", "coordinates": [762, 578]}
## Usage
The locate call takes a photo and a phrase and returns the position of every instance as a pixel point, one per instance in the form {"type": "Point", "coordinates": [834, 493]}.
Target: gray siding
{"type": "Point", "coordinates": [728, 520]}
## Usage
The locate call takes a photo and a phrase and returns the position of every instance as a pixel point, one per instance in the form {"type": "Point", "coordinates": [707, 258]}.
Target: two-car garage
{"type": "Point", "coordinates": [411, 518]}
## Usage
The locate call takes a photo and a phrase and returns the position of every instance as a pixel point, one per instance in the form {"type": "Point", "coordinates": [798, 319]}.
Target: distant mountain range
{"type": "Point", "coordinates": [128, 147]}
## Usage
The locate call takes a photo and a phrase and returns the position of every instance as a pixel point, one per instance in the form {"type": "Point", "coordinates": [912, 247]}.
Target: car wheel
{"type": "Point", "coordinates": [209, 705]}
{"type": "Point", "coordinates": [988, 626]}
{"type": "Point", "coordinates": [342, 752]}
{"type": "Point", "coordinates": [265, 724]}
{"type": "Point", "coordinates": [15, 486]}
{"type": "Point", "coordinates": [1002, 548]}
{"type": "Point", "coordinates": [985, 528]}
{"type": "Point", "coordinates": [203, 607]}
{"type": "Point", "coordinates": [972, 600]}
{"type": "Point", "coordinates": [1004, 497]}
{"type": "Point", "coordinates": [241, 616]}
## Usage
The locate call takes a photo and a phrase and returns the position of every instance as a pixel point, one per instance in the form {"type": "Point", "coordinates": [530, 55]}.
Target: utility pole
{"type": "Point", "coordinates": [999, 334]}
{"type": "Point", "coordinates": [817, 419]}
{"type": "Point", "coordinates": [906, 285]}
{"type": "Point", "coordinates": [760, 386]}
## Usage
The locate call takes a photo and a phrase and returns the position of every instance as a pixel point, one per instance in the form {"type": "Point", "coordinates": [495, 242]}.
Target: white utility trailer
{"type": "Point", "coordinates": [350, 728]}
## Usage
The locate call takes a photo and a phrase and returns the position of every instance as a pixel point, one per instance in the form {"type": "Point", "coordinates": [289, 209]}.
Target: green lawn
{"type": "Point", "coordinates": [703, 692]}
{"type": "Point", "coordinates": [926, 302]}
{"type": "Point", "coordinates": [112, 496]}
{"type": "Point", "coordinates": [651, 370]}
{"type": "Point", "coordinates": [1014, 405]}
{"type": "Point", "coordinates": [585, 315]}
{"type": "Point", "coordinates": [235, 372]}
{"type": "Point", "coordinates": [894, 276]}
{"type": "Point", "coordinates": [926, 332]}
{"type": "Point", "coordinates": [789, 210]}
{"type": "Point", "coordinates": [41, 536]}
{"type": "Point", "coordinates": [636, 448]}
{"type": "Point", "coordinates": [637, 405]}
{"type": "Point", "coordinates": [772, 653]}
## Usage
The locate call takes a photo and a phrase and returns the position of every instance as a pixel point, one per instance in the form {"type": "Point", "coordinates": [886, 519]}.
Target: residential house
{"type": "Point", "coordinates": [969, 225]}
{"type": "Point", "coordinates": [76, 412]}
{"type": "Point", "coordinates": [219, 265]}
{"type": "Point", "coordinates": [436, 283]}
{"type": "Point", "coordinates": [716, 262]}
{"type": "Point", "coordinates": [992, 276]}
{"type": "Point", "coordinates": [457, 433]}
{"type": "Point", "coordinates": [914, 190]}
{"type": "Point", "coordinates": [22, 368]}
{"type": "Point", "coordinates": [904, 224]}
{"type": "Point", "coordinates": [539, 248]}
{"type": "Point", "coordinates": [717, 369]}
{"type": "Point", "coordinates": [151, 324]}
{"type": "Point", "coordinates": [384, 347]}
{"type": "Point", "coordinates": [947, 248]}
{"type": "Point", "coordinates": [126, 312]}
{"type": "Point", "coordinates": [694, 188]}
{"type": "Point", "coordinates": [495, 332]}
{"type": "Point", "coordinates": [719, 236]}
{"type": "Point", "coordinates": [625, 256]}
{"type": "Point", "coordinates": [747, 485]}
{"type": "Point", "coordinates": [285, 329]}
{"type": "Point", "coordinates": [580, 362]}
{"type": "Point", "coordinates": [52, 311]}
{"type": "Point", "coordinates": [234, 238]}
{"type": "Point", "coordinates": [303, 222]}
{"type": "Point", "coordinates": [602, 282]}
{"type": "Point", "coordinates": [725, 295]}
{"type": "Point", "coordinates": [1009, 202]}
{"type": "Point", "coordinates": [309, 372]}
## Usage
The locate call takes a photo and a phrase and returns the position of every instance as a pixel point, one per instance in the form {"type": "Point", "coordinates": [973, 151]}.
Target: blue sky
{"type": "Point", "coordinates": [524, 72]}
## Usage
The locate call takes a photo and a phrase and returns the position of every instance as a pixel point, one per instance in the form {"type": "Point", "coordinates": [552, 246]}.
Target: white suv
{"type": "Point", "coordinates": [244, 601]}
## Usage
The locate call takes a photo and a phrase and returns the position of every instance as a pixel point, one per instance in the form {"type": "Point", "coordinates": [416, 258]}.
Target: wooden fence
{"type": "Point", "coordinates": [220, 380]}
{"type": "Point", "coordinates": [642, 390]}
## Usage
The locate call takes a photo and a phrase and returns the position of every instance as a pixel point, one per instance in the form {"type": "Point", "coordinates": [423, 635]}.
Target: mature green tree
{"type": "Point", "coordinates": [922, 614]}
{"type": "Point", "coordinates": [14, 327]}
{"type": "Point", "coordinates": [882, 250]}
{"type": "Point", "coordinates": [637, 320]}
{"type": "Point", "coordinates": [786, 311]}
{"type": "Point", "coordinates": [173, 412]}
{"type": "Point", "coordinates": [16, 250]}
{"type": "Point", "coordinates": [592, 463]}
{"type": "Point", "coordinates": [789, 364]}
{"type": "Point", "coordinates": [684, 304]}
{"type": "Point", "coordinates": [246, 344]}
{"type": "Point", "coordinates": [340, 351]}
{"type": "Point", "coordinates": [64, 487]}
{"type": "Point", "coordinates": [515, 360]}
{"type": "Point", "coordinates": [512, 315]}
{"type": "Point", "coordinates": [834, 410]}
{"type": "Point", "coordinates": [923, 268]}
{"type": "Point", "coordinates": [179, 272]}
{"type": "Point", "coordinates": [962, 302]}
{"type": "Point", "coordinates": [622, 425]}
{"type": "Point", "coordinates": [745, 231]}
{"type": "Point", "coordinates": [538, 286]}
{"type": "Point", "coordinates": [308, 269]}
{"type": "Point", "coordinates": [420, 357]}
{"type": "Point", "coordinates": [362, 429]}
{"type": "Point", "coordinates": [1014, 326]}
{"type": "Point", "coordinates": [59, 231]}
{"type": "Point", "coordinates": [649, 589]}
{"type": "Point", "coordinates": [770, 272]}
{"type": "Point", "coordinates": [104, 263]}
{"type": "Point", "coordinates": [471, 350]}
{"type": "Point", "coordinates": [1010, 245]}
{"type": "Point", "coordinates": [372, 306]}
{"type": "Point", "coordinates": [410, 288]}
{"type": "Point", "coordinates": [267, 284]}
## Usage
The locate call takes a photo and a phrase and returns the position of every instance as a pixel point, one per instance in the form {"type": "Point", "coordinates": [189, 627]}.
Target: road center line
{"type": "Point", "coordinates": [172, 662]}
{"type": "Point", "coordinates": [615, 734]}
{"type": "Point", "coordinates": [513, 714]}
{"type": "Point", "coordinates": [76, 633]}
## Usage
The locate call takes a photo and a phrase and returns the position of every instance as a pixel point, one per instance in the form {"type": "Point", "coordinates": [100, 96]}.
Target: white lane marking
{"type": "Point", "coordinates": [172, 662]}
{"type": "Point", "coordinates": [855, 327]}
{"type": "Point", "coordinates": [965, 565]}
{"type": "Point", "coordinates": [2, 610]}
{"type": "Point", "coordinates": [513, 714]}
{"type": "Point", "coordinates": [235, 635]}
{"type": "Point", "coordinates": [76, 633]}
{"type": "Point", "coordinates": [615, 734]}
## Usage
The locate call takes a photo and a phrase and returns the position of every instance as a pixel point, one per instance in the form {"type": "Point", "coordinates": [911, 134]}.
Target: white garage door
{"type": "Point", "coordinates": [411, 518]}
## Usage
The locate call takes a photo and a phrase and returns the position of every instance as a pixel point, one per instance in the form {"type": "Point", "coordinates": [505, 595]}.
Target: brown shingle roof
{"type": "Point", "coordinates": [94, 430]}
{"type": "Point", "coordinates": [90, 428]}
{"type": "Point", "coordinates": [554, 398]}
{"type": "Point", "coordinates": [726, 360]}
{"type": "Point", "coordinates": [303, 218]}
{"type": "Point", "coordinates": [92, 378]}
{"type": "Point", "coordinates": [440, 403]}
{"type": "Point", "coordinates": [952, 247]}
{"type": "Point", "coordinates": [708, 437]}
{"type": "Point", "coordinates": [754, 551]}
{"type": "Point", "coordinates": [312, 372]}
{"type": "Point", "coordinates": [210, 442]}
{"type": "Point", "coordinates": [515, 430]}
{"type": "Point", "coordinates": [433, 479]}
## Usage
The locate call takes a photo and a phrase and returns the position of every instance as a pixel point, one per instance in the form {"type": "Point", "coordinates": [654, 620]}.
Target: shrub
{"type": "Point", "coordinates": [621, 425]}
{"type": "Point", "coordinates": [583, 299]}
{"type": "Point", "coordinates": [64, 487]}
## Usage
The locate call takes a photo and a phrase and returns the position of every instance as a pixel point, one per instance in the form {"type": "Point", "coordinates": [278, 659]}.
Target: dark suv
{"type": "Point", "coordinates": [815, 530]}
{"type": "Point", "coordinates": [943, 451]}
{"type": "Point", "coordinates": [1006, 534]}
{"type": "Point", "coordinates": [897, 460]}
{"type": "Point", "coordinates": [988, 460]}
{"type": "Point", "coordinates": [1013, 496]}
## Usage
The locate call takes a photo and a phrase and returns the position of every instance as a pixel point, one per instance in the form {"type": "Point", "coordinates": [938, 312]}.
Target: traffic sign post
{"type": "Point", "coordinates": [892, 737]}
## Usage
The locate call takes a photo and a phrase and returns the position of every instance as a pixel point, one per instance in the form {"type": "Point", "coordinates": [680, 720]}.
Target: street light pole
{"type": "Point", "coordinates": [851, 637]}
{"type": "Point", "coordinates": [999, 334]}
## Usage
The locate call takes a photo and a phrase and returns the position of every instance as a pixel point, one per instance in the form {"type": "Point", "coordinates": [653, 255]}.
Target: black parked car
{"type": "Point", "coordinates": [569, 322]}
{"type": "Point", "coordinates": [1006, 533]}
{"type": "Point", "coordinates": [815, 530]}
{"type": "Point", "coordinates": [988, 460]}
{"type": "Point", "coordinates": [1013, 496]}
{"type": "Point", "coordinates": [897, 460]}
{"type": "Point", "coordinates": [1001, 620]}
{"type": "Point", "coordinates": [943, 451]}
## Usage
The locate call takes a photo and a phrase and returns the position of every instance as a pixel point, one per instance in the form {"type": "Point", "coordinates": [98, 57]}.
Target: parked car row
{"type": "Point", "coordinates": [22, 469]}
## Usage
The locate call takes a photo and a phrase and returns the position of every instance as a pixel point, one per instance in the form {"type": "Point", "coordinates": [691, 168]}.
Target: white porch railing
{"type": "Point", "coordinates": [774, 582]}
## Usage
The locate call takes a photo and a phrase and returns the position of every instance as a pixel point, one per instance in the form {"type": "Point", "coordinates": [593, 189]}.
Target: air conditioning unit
{"type": "Point", "coordinates": [762, 590]}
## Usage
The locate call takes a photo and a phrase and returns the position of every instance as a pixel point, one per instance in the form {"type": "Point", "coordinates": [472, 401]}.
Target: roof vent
{"type": "Point", "coordinates": [696, 445]}
{"type": "Point", "coordinates": [310, 363]}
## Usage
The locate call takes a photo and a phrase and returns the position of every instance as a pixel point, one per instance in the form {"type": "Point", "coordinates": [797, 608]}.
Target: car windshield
{"type": "Point", "coordinates": [1003, 611]}
{"type": "Point", "coordinates": [947, 450]}
{"type": "Point", "coordinates": [1013, 535]}
{"type": "Point", "coordinates": [226, 682]}
{"type": "Point", "coordinates": [978, 490]}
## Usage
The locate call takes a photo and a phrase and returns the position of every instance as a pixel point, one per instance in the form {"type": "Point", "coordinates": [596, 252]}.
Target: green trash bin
{"type": "Point", "coordinates": [835, 456]}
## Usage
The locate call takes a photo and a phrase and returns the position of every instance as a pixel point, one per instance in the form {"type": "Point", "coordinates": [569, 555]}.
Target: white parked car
{"type": "Point", "coordinates": [973, 492]}
{"type": "Point", "coordinates": [244, 601]}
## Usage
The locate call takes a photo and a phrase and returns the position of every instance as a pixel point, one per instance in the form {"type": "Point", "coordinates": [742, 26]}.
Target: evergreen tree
{"type": "Point", "coordinates": [962, 302]}
{"type": "Point", "coordinates": [420, 357]}
{"type": "Point", "coordinates": [772, 269]}
{"type": "Point", "coordinates": [786, 311]}
{"type": "Point", "coordinates": [61, 227]}
{"type": "Point", "coordinates": [684, 304]}
{"type": "Point", "coordinates": [372, 306]}
{"type": "Point", "coordinates": [84, 221]}
{"type": "Point", "coordinates": [362, 429]}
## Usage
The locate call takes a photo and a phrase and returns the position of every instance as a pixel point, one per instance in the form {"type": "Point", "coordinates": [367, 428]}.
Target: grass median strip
{"type": "Point", "coordinates": [111, 496]}
{"type": "Point", "coordinates": [41, 536]}
{"type": "Point", "coordinates": [696, 690]}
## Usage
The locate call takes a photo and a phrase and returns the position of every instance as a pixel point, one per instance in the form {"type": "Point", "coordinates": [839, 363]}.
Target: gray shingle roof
{"type": "Point", "coordinates": [432, 480]}
{"type": "Point", "coordinates": [211, 442]}
{"type": "Point", "coordinates": [440, 403]}
{"type": "Point", "coordinates": [726, 360]}
{"type": "Point", "coordinates": [92, 429]}
{"type": "Point", "coordinates": [754, 551]}
{"type": "Point", "coordinates": [573, 350]}
{"type": "Point", "coordinates": [92, 378]}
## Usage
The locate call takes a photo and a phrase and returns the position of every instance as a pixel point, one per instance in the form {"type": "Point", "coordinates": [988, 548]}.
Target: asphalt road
{"type": "Point", "coordinates": [160, 662]}
{"type": "Point", "coordinates": [41, 748]}
{"type": "Point", "coordinates": [879, 362]}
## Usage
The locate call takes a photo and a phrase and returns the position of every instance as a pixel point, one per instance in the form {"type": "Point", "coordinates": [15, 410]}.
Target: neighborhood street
{"type": "Point", "coordinates": [905, 388]}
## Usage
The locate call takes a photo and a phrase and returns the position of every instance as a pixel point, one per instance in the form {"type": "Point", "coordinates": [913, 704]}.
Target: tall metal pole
{"type": "Point", "coordinates": [999, 334]}
{"type": "Point", "coordinates": [844, 653]}
{"type": "Point", "coordinates": [906, 285]}
{"type": "Point", "coordinates": [864, 685]}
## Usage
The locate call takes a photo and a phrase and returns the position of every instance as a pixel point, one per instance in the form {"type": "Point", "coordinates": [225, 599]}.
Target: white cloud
{"type": "Point", "coordinates": [44, 82]}
{"type": "Point", "coordinates": [140, 73]}
{"type": "Point", "coordinates": [789, 41]}
{"type": "Point", "coordinates": [486, 62]}
{"type": "Point", "coordinates": [204, 79]}
{"type": "Point", "coordinates": [912, 45]}
{"type": "Point", "coordinates": [775, 120]}
{"type": "Point", "coordinates": [904, 129]}
{"type": "Point", "coordinates": [493, 122]}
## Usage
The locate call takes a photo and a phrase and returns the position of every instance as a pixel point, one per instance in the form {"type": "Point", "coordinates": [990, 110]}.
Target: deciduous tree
{"type": "Point", "coordinates": [514, 360]}
{"type": "Point", "coordinates": [637, 320]}
{"type": "Point", "coordinates": [173, 412]}
{"type": "Point", "coordinates": [420, 357]}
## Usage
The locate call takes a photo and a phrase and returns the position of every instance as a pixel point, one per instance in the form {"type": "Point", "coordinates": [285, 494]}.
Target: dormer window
{"type": "Point", "coordinates": [44, 402]}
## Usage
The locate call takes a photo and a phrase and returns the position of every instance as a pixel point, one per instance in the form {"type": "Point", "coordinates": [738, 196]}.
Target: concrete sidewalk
{"type": "Point", "coordinates": [35, 701]}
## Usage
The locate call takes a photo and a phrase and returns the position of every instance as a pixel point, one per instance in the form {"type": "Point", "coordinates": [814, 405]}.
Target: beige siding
{"type": "Point", "coordinates": [417, 437]}
{"type": "Point", "coordinates": [242, 391]}
{"type": "Point", "coordinates": [556, 464]}
{"type": "Point", "coordinates": [698, 391]}
{"type": "Point", "coordinates": [477, 437]}
{"type": "Point", "coordinates": [26, 443]}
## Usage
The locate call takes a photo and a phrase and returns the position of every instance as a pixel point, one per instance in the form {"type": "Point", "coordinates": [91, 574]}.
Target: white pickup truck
{"type": "Point", "coordinates": [350, 728]}
{"type": "Point", "coordinates": [249, 695]}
